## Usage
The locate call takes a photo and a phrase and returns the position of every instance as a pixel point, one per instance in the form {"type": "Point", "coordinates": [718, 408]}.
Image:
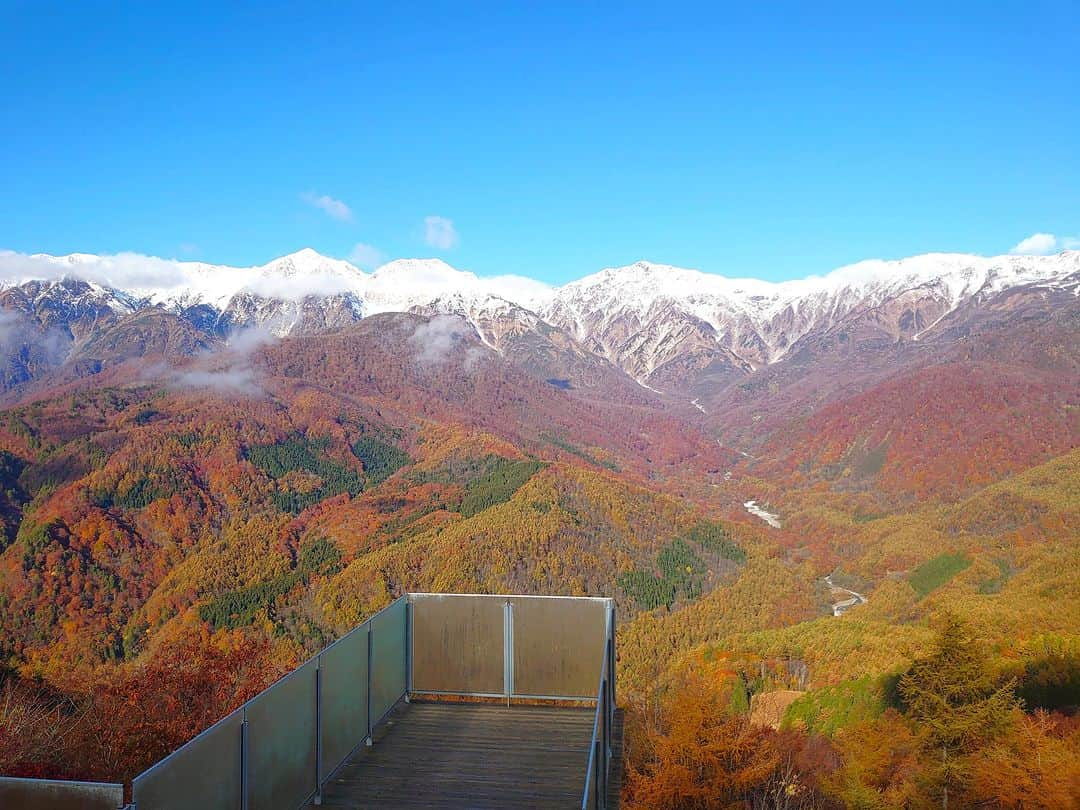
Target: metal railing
{"type": "Point", "coordinates": [600, 747]}
{"type": "Point", "coordinates": [279, 749]}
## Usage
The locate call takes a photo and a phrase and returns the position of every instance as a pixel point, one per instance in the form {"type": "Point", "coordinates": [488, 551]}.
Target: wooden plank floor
{"type": "Point", "coordinates": [460, 755]}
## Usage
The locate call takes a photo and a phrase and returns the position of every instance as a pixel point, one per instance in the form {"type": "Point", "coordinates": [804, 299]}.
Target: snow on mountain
{"type": "Point", "coordinates": [760, 321]}
{"type": "Point", "coordinates": [655, 321]}
{"type": "Point", "coordinates": [299, 292]}
{"type": "Point", "coordinates": [404, 284]}
{"type": "Point", "coordinates": [167, 281]}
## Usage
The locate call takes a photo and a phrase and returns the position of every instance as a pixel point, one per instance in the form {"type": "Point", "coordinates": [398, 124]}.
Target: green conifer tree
{"type": "Point", "coordinates": [956, 702]}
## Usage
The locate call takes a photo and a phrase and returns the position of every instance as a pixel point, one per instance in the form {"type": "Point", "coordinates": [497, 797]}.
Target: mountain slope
{"type": "Point", "coordinates": [644, 315]}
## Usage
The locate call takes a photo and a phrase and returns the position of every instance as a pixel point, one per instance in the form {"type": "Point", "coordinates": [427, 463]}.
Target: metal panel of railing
{"type": "Point", "coordinates": [56, 794]}
{"type": "Point", "coordinates": [343, 692]}
{"type": "Point", "coordinates": [281, 741]}
{"type": "Point", "coordinates": [388, 670]}
{"type": "Point", "coordinates": [554, 646]}
{"type": "Point", "coordinates": [205, 772]}
{"type": "Point", "coordinates": [457, 644]}
{"type": "Point", "coordinates": [480, 645]}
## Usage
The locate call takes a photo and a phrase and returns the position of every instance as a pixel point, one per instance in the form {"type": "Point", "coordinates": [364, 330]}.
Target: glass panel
{"type": "Point", "coordinates": [203, 773]}
{"type": "Point", "coordinates": [281, 742]}
{"type": "Point", "coordinates": [344, 698]}
{"type": "Point", "coordinates": [457, 643]}
{"type": "Point", "coordinates": [388, 675]}
{"type": "Point", "coordinates": [51, 794]}
{"type": "Point", "coordinates": [559, 646]}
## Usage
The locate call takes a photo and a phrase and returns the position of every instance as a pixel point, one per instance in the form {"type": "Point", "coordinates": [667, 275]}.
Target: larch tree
{"type": "Point", "coordinates": [956, 702]}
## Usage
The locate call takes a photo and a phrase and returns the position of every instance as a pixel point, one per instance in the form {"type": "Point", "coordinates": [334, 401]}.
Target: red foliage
{"type": "Point", "coordinates": [936, 432]}
{"type": "Point", "coordinates": [115, 727]}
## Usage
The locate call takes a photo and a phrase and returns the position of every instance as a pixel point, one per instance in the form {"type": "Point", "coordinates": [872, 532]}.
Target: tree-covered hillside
{"type": "Point", "coordinates": [157, 535]}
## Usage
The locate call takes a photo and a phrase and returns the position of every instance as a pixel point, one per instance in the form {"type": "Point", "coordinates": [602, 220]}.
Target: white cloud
{"type": "Point", "coordinates": [244, 342]}
{"type": "Point", "coordinates": [366, 256]}
{"type": "Point", "coordinates": [124, 271]}
{"type": "Point", "coordinates": [228, 371]}
{"type": "Point", "coordinates": [240, 380]}
{"type": "Point", "coordinates": [437, 337]}
{"type": "Point", "coordinates": [439, 232]}
{"type": "Point", "coordinates": [19, 332]}
{"type": "Point", "coordinates": [335, 209]}
{"type": "Point", "coordinates": [443, 335]}
{"type": "Point", "coordinates": [162, 278]}
{"type": "Point", "coordinates": [1043, 244]}
{"type": "Point", "coordinates": [527, 292]}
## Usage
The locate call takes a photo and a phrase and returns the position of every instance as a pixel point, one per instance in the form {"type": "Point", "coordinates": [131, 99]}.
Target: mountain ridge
{"type": "Point", "coordinates": [113, 270]}
{"type": "Point", "coordinates": [673, 330]}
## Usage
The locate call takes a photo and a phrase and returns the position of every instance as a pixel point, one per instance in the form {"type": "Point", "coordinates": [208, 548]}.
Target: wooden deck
{"type": "Point", "coordinates": [462, 755]}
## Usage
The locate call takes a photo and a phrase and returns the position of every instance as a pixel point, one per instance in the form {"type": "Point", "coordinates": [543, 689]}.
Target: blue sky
{"type": "Point", "coordinates": [548, 140]}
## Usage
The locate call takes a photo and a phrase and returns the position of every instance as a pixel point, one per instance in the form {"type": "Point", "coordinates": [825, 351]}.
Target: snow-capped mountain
{"type": "Point", "coordinates": [298, 292]}
{"type": "Point", "coordinates": [646, 316]}
{"type": "Point", "coordinates": [670, 328]}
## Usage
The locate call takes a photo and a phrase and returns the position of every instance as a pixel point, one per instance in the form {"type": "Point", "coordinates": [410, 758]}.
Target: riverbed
{"type": "Point", "coordinates": [769, 517]}
{"type": "Point", "coordinates": [839, 608]}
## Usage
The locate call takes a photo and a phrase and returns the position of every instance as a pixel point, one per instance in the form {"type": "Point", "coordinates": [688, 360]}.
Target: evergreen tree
{"type": "Point", "coordinates": [956, 702]}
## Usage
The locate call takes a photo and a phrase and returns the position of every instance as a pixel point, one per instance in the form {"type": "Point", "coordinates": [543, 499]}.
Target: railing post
{"type": "Point", "coordinates": [508, 650]}
{"type": "Point", "coordinates": [408, 648]}
{"type": "Point", "coordinates": [244, 791]}
{"type": "Point", "coordinates": [368, 740]}
{"type": "Point", "coordinates": [611, 656]}
{"type": "Point", "coordinates": [607, 735]}
{"type": "Point", "coordinates": [607, 725]}
{"type": "Point", "coordinates": [610, 707]}
{"type": "Point", "coordinates": [318, 730]}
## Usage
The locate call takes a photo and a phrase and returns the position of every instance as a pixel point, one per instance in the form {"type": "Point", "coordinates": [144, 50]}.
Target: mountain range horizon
{"type": "Point", "coordinates": [19, 266]}
{"type": "Point", "coordinates": [669, 329]}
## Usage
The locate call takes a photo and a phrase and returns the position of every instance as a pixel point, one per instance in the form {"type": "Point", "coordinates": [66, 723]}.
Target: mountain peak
{"type": "Point", "coordinates": [422, 269]}
{"type": "Point", "coordinates": [309, 262]}
{"type": "Point", "coordinates": [304, 256]}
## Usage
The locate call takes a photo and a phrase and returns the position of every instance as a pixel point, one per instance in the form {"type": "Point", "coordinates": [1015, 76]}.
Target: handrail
{"type": "Point", "coordinates": [600, 744]}
{"type": "Point", "coordinates": [512, 596]}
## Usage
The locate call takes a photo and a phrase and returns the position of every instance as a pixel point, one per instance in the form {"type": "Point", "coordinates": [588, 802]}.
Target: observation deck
{"type": "Point", "coordinates": [437, 701]}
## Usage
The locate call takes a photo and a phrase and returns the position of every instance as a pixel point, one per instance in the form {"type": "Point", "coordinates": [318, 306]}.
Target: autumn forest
{"type": "Point", "coordinates": [905, 632]}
